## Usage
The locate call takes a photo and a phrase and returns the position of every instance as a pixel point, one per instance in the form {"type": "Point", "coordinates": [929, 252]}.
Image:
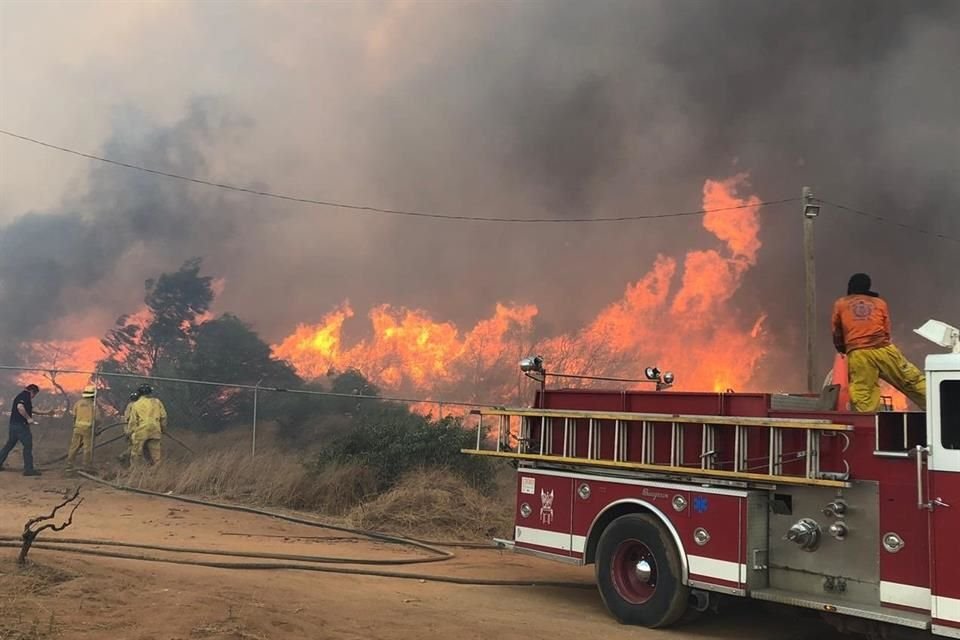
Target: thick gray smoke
{"type": "Point", "coordinates": [552, 109]}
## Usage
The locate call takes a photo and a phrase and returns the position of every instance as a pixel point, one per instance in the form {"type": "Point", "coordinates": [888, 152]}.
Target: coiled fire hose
{"type": "Point", "coordinates": [288, 561]}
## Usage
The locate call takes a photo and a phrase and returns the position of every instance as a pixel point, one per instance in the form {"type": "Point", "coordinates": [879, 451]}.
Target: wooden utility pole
{"type": "Point", "coordinates": [810, 212]}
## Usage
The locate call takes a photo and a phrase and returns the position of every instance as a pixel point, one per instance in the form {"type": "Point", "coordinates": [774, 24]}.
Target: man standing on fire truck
{"type": "Point", "coordinates": [861, 330]}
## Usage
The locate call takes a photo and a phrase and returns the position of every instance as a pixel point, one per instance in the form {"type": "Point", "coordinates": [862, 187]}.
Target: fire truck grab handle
{"type": "Point", "coordinates": [919, 452]}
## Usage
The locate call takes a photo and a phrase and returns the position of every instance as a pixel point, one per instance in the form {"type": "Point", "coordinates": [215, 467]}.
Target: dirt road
{"type": "Point", "coordinates": [71, 596]}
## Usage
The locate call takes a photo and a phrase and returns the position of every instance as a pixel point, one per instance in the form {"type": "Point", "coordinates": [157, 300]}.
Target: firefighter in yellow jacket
{"type": "Point", "coordinates": [861, 329]}
{"type": "Point", "coordinates": [146, 424]}
{"type": "Point", "coordinates": [84, 414]}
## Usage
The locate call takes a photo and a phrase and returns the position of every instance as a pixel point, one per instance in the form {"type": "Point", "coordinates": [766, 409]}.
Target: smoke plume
{"type": "Point", "coordinates": [534, 109]}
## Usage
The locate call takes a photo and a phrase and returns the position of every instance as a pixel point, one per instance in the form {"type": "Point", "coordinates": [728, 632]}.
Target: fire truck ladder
{"type": "Point", "coordinates": [536, 439]}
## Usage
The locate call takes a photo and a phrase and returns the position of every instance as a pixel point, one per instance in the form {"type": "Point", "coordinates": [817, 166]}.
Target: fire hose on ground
{"type": "Point", "coordinates": [100, 431]}
{"type": "Point", "coordinates": [287, 561]}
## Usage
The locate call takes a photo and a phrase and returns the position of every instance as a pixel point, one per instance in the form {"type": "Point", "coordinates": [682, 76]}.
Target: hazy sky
{"type": "Point", "coordinates": [528, 109]}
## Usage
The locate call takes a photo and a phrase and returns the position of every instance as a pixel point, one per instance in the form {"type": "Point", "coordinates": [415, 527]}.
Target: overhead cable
{"type": "Point", "coordinates": [879, 218]}
{"type": "Point", "coordinates": [387, 211]}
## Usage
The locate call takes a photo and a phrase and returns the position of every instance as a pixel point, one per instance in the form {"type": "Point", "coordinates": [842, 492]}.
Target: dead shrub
{"type": "Point", "coordinates": [272, 479]}
{"type": "Point", "coordinates": [436, 504]}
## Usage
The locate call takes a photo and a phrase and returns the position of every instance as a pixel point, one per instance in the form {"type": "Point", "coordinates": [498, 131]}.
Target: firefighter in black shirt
{"type": "Point", "coordinates": [21, 417]}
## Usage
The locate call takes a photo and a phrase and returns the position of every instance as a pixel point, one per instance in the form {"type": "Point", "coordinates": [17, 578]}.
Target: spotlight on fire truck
{"type": "Point", "coordinates": [940, 333]}
{"type": "Point", "coordinates": [532, 365]}
{"type": "Point", "coordinates": [663, 380]}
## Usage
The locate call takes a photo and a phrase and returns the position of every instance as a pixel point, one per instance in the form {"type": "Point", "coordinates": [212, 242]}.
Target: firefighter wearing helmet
{"type": "Point", "coordinates": [146, 423]}
{"type": "Point", "coordinates": [84, 414]}
{"type": "Point", "coordinates": [126, 412]}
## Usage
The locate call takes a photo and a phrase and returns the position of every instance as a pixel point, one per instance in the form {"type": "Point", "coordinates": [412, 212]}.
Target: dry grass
{"type": "Point", "coordinates": [23, 617]}
{"type": "Point", "coordinates": [436, 504]}
{"type": "Point", "coordinates": [272, 479]}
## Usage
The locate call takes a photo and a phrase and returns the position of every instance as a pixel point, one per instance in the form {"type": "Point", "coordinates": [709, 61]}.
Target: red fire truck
{"type": "Point", "coordinates": [680, 498]}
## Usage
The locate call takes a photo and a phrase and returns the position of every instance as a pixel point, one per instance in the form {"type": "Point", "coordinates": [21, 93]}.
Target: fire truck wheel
{"type": "Point", "coordinates": [639, 573]}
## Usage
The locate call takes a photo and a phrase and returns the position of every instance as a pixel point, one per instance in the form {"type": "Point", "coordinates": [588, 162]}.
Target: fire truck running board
{"type": "Point", "coordinates": [869, 612]}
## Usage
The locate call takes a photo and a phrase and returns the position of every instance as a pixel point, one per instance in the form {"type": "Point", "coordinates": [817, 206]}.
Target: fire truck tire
{"type": "Point", "coordinates": [639, 573]}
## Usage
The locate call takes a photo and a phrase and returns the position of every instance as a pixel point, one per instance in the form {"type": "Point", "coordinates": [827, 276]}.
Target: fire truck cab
{"type": "Point", "coordinates": [680, 498]}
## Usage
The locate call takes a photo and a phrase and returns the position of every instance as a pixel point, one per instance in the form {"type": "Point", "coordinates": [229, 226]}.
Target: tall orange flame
{"type": "Point", "coordinates": [690, 328]}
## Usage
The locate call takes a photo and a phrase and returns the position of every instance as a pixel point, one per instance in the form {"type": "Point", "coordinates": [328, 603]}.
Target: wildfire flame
{"type": "Point", "coordinates": [677, 315]}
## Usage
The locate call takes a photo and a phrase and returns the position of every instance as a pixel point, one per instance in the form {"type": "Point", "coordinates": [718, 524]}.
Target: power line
{"type": "Point", "coordinates": [371, 209]}
{"type": "Point", "coordinates": [878, 218]}
{"type": "Point", "coordinates": [251, 387]}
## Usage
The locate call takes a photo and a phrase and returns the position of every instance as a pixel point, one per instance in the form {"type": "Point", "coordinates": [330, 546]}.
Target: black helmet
{"type": "Point", "coordinates": [144, 390]}
{"type": "Point", "coordinates": [860, 283]}
{"type": "Point", "coordinates": [32, 388]}
{"type": "Point", "coordinates": [134, 396]}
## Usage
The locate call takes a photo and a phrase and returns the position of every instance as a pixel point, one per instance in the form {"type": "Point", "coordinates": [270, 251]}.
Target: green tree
{"type": "Point", "coordinates": [174, 302]}
{"type": "Point", "coordinates": [176, 342]}
{"type": "Point", "coordinates": [227, 349]}
{"type": "Point", "coordinates": [391, 441]}
{"type": "Point", "coordinates": [303, 419]}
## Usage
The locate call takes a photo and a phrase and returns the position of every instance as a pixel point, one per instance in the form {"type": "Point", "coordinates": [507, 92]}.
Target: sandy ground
{"type": "Point", "coordinates": [72, 596]}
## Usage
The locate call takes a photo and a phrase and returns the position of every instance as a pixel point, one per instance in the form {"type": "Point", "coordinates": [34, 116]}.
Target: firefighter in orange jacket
{"type": "Point", "coordinates": [861, 329]}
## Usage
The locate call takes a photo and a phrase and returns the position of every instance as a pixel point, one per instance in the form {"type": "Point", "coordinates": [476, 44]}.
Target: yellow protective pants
{"type": "Point", "coordinates": [144, 447]}
{"type": "Point", "coordinates": [868, 366]}
{"type": "Point", "coordinates": [82, 437]}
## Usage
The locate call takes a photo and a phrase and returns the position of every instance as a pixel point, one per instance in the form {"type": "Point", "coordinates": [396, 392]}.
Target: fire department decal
{"type": "Point", "coordinates": [546, 506]}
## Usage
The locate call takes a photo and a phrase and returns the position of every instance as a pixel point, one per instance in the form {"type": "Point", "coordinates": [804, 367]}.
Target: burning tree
{"type": "Point", "coordinates": [175, 337]}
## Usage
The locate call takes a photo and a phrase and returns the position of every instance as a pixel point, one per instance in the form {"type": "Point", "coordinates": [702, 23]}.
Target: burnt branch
{"type": "Point", "coordinates": [35, 526]}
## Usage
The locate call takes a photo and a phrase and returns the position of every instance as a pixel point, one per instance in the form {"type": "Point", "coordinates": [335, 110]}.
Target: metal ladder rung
{"type": "Point", "coordinates": [708, 447]}
{"type": "Point", "coordinates": [775, 465]}
{"type": "Point", "coordinates": [676, 444]}
{"type": "Point", "coordinates": [647, 443]}
{"type": "Point", "coordinates": [593, 441]}
{"type": "Point", "coordinates": [620, 432]}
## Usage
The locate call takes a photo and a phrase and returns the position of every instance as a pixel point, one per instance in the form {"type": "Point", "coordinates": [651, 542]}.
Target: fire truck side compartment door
{"type": "Point", "coordinates": [544, 512]}
{"type": "Point", "coordinates": [942, 496]}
